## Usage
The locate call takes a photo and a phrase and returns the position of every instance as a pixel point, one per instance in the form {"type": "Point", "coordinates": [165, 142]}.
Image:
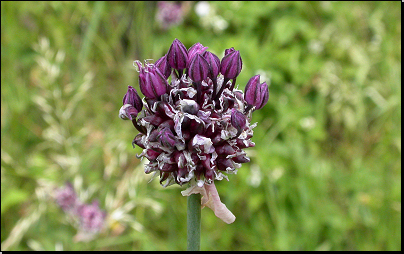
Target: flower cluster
{"type": "Point", "coordinates": [89, 217]}
{"type": "Point", "coordinates": [171, 13]}
{"type": "Point", "coordinates": [195, 127]}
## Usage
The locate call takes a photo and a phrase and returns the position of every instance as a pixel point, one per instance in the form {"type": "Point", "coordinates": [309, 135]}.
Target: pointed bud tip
{"type": "Point", "coordinates": [256, 94]}
{"type": "Point", "coordinates": [231, 65]}
{"type": "Point", "coordinates": [152, 82]}
{"type": "Point", "coordinates": [177, 55]}
{"type": "Point", "coordinates": [131, 97]}
{"type": "Point", "coordinates": [238, 120]}
{"type": "Point", "coordinates": [198, 68]}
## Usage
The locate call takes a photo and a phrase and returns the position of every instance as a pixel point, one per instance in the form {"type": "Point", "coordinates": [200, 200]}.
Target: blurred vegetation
{"type": "Point", "coordinates": [325, 173]}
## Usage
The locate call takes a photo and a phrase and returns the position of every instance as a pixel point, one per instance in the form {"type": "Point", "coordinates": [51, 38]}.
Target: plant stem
{"type": "Point", "coordinates": [194, 222]}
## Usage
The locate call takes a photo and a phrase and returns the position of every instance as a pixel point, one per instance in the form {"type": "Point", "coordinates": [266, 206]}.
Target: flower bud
{"type": "Point", "coordinates": [214, 64]}
{"type": "Point", "coordinates": [241, 158]}
{"type": "Point", "coordinates": [225, 149]}
{"type": "Point", "coordinates": [163, 66]}
{"type": "Point", "coordinates": [265, 96]}
{"type": "Point", "coordinates": [231, 65]}
{"type": "Point", "coordinates": [177, 55]}
{"type": "Point", "coordinates": [256, 94]}
{"type": "Point", "coordinates": [151, 154]}
{"type": "Point", "coordinates": [168, 167]}
{"type": "Point", "coordinates": [197, 48]}
{"type": "Point", "coordinates": [138, 141]}
{"type": "Point", "coordinates": [153, 120]}
{"type": "Point", "coordinates": [198, 68]}
{"type": "Point", "coordinates": [238, 120]}
{"type": "Point", "coordinates": [151, 82]}
{"type": "Point", "coordinates": [131, 97]}
{"type": "Point", "coordinates": [225, 164]}
{"type": "Point", "coordinates": [166, 137]}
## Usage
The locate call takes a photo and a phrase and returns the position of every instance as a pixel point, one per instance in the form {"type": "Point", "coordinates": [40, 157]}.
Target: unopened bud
{"type": "Point", "coordinates": [197, 48]}
{"type": "Point", "coordinates": [231, 65]}
{"type": "Point", "coordinates": [177, 55]}
{"type": "Point", "coordinates": [256, 94]}
{"type": "Point", "coordinates": [198, 68]}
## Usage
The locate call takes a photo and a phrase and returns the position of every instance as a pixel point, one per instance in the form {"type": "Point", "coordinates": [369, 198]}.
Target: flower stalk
{"type": "Point", "coordinates": [194, 222]}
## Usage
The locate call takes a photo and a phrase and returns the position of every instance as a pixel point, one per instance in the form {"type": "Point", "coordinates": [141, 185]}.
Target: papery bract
{"type": "Point", "coordinates": [211, 199]}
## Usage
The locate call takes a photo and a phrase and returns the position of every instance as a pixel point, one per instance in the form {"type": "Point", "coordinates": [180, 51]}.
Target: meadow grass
{"type": "Point", "coordinates": [325, 173]}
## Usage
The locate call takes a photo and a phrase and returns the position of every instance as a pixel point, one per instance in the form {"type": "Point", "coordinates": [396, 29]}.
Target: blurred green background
{"type": "Point", "coordinates": [325, 173]}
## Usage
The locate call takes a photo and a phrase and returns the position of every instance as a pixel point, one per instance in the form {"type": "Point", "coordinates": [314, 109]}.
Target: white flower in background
{"type": "Point", "coordinates": [202, 8]}
{"type": "Point", "coordinates": [209, 18]}
{"type": "Point", "coordinates": [308, 123]}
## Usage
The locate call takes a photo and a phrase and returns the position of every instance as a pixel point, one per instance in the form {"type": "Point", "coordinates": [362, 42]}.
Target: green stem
{"type": "Point", "coordinates": [194, 222]}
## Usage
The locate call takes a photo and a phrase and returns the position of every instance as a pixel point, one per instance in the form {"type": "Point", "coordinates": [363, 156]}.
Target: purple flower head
{"type": "Point", "coordinates": [256, 94]}
{"type": "Point", "coordinates": [169, 14]}
{"type": "Point", "coordinates": [214, 64]}
{"type": "Point", "coordinates": [177, 55]}
{"type": "Point", "coordinates": [164, 67]}
{"type": "Point", "coordinates": [198, 68]}
{"type": "Point", "coordinates": [88, 218]}
{"type": "Point", "coordinates": [231, 64]}
{"type": "Point", "coordinates": [91, 217]}
{"type": "Point", "coordinates": [197, 48]}
{"type": "Point", "coordinates": [194, 129]}
{"type": "Point", "coordinates": [66, 197]}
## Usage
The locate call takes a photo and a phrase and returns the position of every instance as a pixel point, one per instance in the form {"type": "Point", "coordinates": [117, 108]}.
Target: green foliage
{"type": "Point", "coordinates": [325, 173]}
